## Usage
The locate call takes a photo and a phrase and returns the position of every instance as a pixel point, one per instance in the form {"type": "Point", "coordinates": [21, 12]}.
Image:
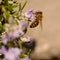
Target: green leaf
{"type": "Point", "coordinates": [6, 14]}
{"type": "Point", "coordinates": [29, 52]}
{"type": "Point", "coordinates": [16, 20]}
{"type": "Point", "coordinates": [1, 27]}
{"type": "Point", "coordinates": [20, 44]}
{"type": "Point", "coordinates": [0, 43]}
{"type": "Point", "coordinates": [9, 7]}
{"type": "Point", "coordinates": [15, 14]}
{"type": "Point", "coordinates": [10, 43]}
{"type": "Point", "coordinates": [1, 17]}
{"type": "Point", "coordinates": [22, 55]}
{"type": "Point", "coordinates": [6, 2]}
{"type": "Point", "coordinates": [23, 5]}
{"type": "Point", "coordinates": [19, 6]}
{"type": "Point", "coordinates": [24, 30]}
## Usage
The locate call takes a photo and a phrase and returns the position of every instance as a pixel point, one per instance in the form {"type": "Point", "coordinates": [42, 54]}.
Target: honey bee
{"type": "Point", "coordinates": [38, 20]}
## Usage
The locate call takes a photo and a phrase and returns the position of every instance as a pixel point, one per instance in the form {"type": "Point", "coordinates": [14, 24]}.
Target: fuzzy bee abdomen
{"type": "Point", "coordinates": [34, 24]}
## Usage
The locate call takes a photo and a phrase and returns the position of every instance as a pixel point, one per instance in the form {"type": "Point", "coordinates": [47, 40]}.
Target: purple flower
{"type": "Point", "coordinates": [11, 53]}
{"type": "Point", "coordinates": [10, 35]}
{"type": "Point", "coordinates": [29, 14]}
{"type": "Point", "coordinates": [15, 33]}
{"type": "Point", "coordinates": [22, 24]}
{"type": "Point", "coordinates": [16, 51]}
{"type": "Point", "coordinates": [2, 50]}
{"type": "Point", "coordinates": [5, 38]}
{"type": "Point", "coordinates": [20, 28]}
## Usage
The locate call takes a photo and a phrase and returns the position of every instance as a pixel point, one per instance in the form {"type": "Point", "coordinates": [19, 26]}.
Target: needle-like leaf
{"type": "Point", "coordinates": [23, 5]}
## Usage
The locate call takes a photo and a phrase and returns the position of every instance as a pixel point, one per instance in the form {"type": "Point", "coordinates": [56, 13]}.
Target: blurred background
{"type": "Point", "coordinates": [47, 40]}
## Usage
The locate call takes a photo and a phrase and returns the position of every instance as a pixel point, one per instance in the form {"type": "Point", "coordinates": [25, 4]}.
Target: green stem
{"type": "Point", "coordinates": [29, 53]}
{"type": "Point", "coordinates": [20, 44]}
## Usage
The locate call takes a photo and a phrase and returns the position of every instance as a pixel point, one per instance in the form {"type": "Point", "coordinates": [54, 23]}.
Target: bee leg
{"type": "Point", "coordinates": [40, 24]}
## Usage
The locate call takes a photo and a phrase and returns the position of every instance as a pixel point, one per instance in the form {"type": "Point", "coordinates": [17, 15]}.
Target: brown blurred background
{"type": "Point", "coordinates": [47, 40]}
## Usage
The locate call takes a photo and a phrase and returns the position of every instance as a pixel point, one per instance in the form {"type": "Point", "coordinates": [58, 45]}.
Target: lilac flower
{"type": "Point", "coordinates": [29, 14]}
{"type": "Point", "coordinates": [9, 36]}
{"type": "Point", "coordinates": [16, 51]}
{"type": "Point", "coordinates": [22, 25]}
{"type": "Point", "coordinates": [11, 53]}
{"type": "Point", "coordinates": [5, 38]}
{"type": "Point", "coordinates": [26, 39]}
{"type": "Point", "coordinates": [16, 32]}
{"type": "Point", "coordinates": [2, 50]}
